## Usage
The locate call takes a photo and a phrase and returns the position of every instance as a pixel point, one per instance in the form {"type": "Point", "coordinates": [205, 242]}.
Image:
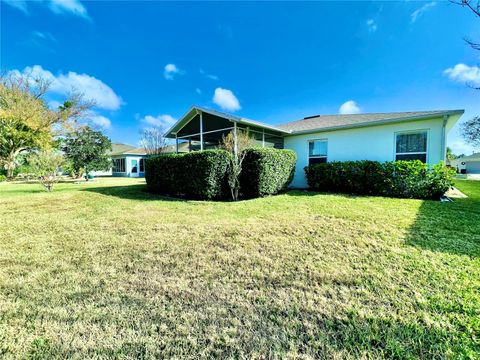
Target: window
{"type": "Point", "coordinates": [118, 165]}
{"type": "Point", "coordinates": [317, 151]}
{"type": "Point", "coordinates": [142, 165]}
{"type": "Point", "coordinates": [411, 146]}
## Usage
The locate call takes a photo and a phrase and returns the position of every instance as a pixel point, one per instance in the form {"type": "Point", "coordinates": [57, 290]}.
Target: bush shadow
{"type": "Point", "coordinates": [132, 192]}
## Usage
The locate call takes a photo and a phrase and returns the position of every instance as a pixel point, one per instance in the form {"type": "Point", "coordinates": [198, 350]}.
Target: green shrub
{"type": "Point", "coordinates": [195, 175]}
{"type": "Point", "coordinates": [406, 179]}
{"type": "Point", "coordinates": [266, 171]}
{"type": "Point", "coordinates": [3, 178]}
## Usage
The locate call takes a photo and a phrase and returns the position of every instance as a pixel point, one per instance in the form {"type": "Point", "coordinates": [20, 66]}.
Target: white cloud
{"type": "Point", "coordinates": [74, 7]}
{"type": "Point", "coordinates": [414, 16]}
{"type": "Point", "coordinates": [91, 87]}
{"type": "Point", "coordinates": [161, 121]}
{"type": "Point", "coordinates": [18, 4]}
{"type": "Point", "coordinates": [465, 74]}
{"type": "Point", "coordinates": [100, 121]}
{"type": "Point", "coordinates": [54, 104]}
{"type": "Point", "coordinates": [460, 147]}
{"type": "Point", "coordinates": [209, 76]}
{"type": "Point", "coordinates": [198, 91]}
{"type": "Point", "coordinates": [349, 107]}
{"type": "Point", "coordinates": [371, 25]}
{"type": "Point", "coordinates": [226, 100]}
{"type": "Point", "coordinates": [44, 36]}
{"type": "Point", "coordinates": [171, 70]}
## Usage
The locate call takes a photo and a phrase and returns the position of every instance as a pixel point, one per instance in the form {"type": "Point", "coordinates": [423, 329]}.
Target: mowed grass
{"type": "Point", "coordinates": [106, 270]}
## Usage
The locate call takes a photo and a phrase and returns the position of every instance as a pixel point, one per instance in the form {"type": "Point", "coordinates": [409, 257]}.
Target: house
{"type": "Point", "coordinates": [469, 165]}
{"type": "Point", "coordinates": [315, 139]}
{"type": "Point", "coordinates": [127, 161]}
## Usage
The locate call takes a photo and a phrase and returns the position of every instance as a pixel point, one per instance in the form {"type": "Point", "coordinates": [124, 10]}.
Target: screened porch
{"type": "Point", "coordinates": [202, 129]}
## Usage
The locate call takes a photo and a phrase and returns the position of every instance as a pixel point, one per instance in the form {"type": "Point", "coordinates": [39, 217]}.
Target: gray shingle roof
{"type": "Point", "coordinates": [118, 148]}
{"type": "Point", "coordinates": [473, 157]}
{"type": "Point", "coordinates": [325, 122]}
{"type": "Point", "coordinates": [124, 149]}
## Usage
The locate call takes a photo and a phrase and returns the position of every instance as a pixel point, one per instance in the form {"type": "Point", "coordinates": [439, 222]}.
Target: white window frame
{"type": "Point", "coordinates": [407, 132]}
{"type": "Point", "coordinates": [317, 156]}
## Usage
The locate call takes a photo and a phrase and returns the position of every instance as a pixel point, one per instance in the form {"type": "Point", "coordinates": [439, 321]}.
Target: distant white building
{"type": "Point", "coordinates": [127, 161]}
{"type": "Point", "coordinates": [469, 165]}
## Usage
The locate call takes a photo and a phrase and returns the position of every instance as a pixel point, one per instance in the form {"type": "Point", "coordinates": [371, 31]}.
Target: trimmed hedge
{"type": "Point", "coordinates": [203, 174]}
{"type": "Point", "coordinates": [266, 171]}
{"type": "Point", "coordinates": [195, 175]}
{"type": "Point", "coordinates": [405, 179]}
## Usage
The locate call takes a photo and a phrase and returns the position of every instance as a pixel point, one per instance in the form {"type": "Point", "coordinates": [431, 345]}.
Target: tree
{"type": "Point", "coordinates": [86, 150]}
{"type": "Point", "coordinates": [153, 141]}
{"type": "Point", "coordinates": [236, 147]}
{"type": "Point", "coordinates": [471, 131]}
{"type": "Point", "coordinates": [26, 122]}
{"type": "Point", "coordinates": [45, 165]}
{"type": "Point", "coordinates": [450, 156]}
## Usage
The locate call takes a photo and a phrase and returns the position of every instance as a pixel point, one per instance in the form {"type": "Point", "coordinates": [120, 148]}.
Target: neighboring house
{"type": "Point", "coordinates": [321, 138]}
{"type": "Point", "coordinates": [469, 165]}
{"type": "Point", "coordinates": [127, 161]}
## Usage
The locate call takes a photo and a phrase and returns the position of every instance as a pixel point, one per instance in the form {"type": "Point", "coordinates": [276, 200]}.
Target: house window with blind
{"type": "Point", "coordinates": [317, 151]}
{"type": "Point", "coordinates": [411, 146]}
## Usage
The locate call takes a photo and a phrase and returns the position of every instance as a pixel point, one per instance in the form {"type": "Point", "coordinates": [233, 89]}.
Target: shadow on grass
{"type": "Point", "coordinates": [350, 336]}
{"type": "Point", "coordinates": [131, 192]}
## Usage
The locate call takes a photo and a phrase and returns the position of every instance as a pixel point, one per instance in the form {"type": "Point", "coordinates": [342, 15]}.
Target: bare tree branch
{"type": "Point", "coordinates": [153, 141]}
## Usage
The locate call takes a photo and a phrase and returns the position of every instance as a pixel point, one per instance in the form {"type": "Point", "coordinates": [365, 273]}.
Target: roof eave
{"type": "Point", "coordinates": [375, 123]}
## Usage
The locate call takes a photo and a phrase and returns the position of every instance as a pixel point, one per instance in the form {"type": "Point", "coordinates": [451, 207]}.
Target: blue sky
{"type": "Point", "coordinates": [146, 63]}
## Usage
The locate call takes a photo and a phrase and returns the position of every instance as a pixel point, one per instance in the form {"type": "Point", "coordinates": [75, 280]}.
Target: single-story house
{"type": "Point", "coordinates": [320, 138]}
{"type": "Point", "coordinates": [127, 161]}
{"type": "Point", "coordinates": [469, 165]}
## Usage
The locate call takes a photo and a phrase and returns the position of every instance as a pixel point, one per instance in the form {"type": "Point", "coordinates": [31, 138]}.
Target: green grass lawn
{"type": "Point", "coordinates": [108, 270]}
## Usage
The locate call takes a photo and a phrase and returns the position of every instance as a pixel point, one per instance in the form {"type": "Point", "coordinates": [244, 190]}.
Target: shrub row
{"type": "Point", "coordinates": [406, 179]}
{"type": "Point", "coordinates": [196, 175]}
{"type": "Point", "coordinates": [203, 174]}
{"type": "Point", "coordinates": [266, 171]}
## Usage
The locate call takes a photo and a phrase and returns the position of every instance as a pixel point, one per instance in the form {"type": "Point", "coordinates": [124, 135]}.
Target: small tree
{"type": "Point", "coordinates": [45, 165]}
{"type": "Point", "coordinates": [236, 147]}
{"type": "Point", "coordinates": [450, 155]}
{"type": "Point", "coordinates": [153, 141]}
{"type": "Point", "coordinates": [87, 150]}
